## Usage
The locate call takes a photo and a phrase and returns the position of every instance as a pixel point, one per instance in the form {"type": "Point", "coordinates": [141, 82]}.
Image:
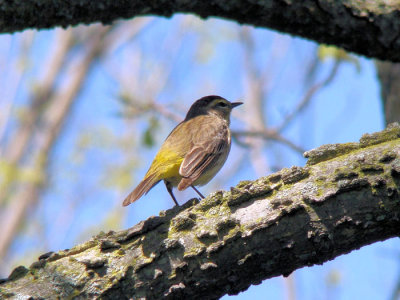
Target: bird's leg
{"type": "Point", "coordinates": [197, 191]}
{"type": "Point", "coordinates": [169, 189]}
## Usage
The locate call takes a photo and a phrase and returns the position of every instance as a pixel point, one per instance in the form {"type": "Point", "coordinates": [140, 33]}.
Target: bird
{"type": "Point", "coordinates": [194, 151]}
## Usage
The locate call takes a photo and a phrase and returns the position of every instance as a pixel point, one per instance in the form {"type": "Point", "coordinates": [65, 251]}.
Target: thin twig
{"type": "Point", "coordinates": [269, 135]}
{"type": "Point", "coordinates": [167, 113]}
{"type": "Point", "coordinates": [308, 97]}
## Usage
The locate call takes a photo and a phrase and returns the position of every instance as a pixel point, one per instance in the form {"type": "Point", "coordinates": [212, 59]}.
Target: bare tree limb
{"type": "Point", "coordinates": [366, 27]}
{"type": "Point", "coordinates": [52, 119]}
{"type": "Point", "coordinates": [396, 291]}
{"type": "Point", "coordinates": [346, 197]}
{"type": "Point", "coordinates": [255, 117]}
{"type": "Point", "coordinates": [389, 78]}
{"type": "Point", "coordinates": [309, 96]}
{"type": "Point", "coordinates": [267, 135]}
{"type": "Point", "coordinates": [18, 147]}
{"type": "Point", "coordinates": [12, 86]}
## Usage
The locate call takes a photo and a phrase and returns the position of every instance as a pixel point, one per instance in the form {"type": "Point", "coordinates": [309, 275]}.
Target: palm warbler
{"type": "Point", "coordinates": [194, 151]}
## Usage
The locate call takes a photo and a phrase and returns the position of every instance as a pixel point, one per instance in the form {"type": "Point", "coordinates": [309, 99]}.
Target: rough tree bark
{"type": "Point", "coordinates": [346, 197]}
{"type": "Point", "coordinates": [366, 27]}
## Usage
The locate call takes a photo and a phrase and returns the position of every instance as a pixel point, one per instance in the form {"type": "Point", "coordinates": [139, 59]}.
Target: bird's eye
{"type": "Point", "coordinates": [222, 104]}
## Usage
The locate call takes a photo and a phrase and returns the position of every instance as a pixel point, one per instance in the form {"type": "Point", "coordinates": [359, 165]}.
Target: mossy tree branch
{"type": "Point", "coordinates": [366, 27]}
{"type": "Point", "coordinates": [346, 197]}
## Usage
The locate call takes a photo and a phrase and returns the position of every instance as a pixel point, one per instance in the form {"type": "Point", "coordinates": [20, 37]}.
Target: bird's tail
{"type": "Point", "coordinates": [144, 186]}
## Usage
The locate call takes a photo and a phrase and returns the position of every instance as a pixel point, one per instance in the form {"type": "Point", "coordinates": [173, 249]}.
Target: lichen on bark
{"type": "Point", "coordinates": [346, 197]}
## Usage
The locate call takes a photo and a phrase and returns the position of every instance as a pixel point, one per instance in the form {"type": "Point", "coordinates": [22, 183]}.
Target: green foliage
{"type": "Point", "coordinates": [11, 174]}
{"type": "Point", "coordinates": [148, 135]}
{"type": "Point", "coordinates": [331, 52]}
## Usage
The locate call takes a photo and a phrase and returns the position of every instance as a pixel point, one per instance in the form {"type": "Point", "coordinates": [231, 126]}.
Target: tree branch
{"type": "Point", "coordinates": [53, 117]}
{"type": "Point", "coordinates": [389, 78]}
{"type": "Point", "coordinates": [267, 134]}
{"type": "Point", "coordinates": [366, 27]}
{"type": "Point", "coordinates": [309, 96]}
{"type": "Point", "coordinates": [346, 197]}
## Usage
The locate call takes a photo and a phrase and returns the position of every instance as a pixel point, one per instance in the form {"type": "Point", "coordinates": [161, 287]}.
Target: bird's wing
{"type": "Point", "coordinates": [205, 152]}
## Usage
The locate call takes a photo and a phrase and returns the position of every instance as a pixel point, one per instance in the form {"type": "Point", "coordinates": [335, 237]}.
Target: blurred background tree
{"type": "Point", "coordinates": [84, 110]}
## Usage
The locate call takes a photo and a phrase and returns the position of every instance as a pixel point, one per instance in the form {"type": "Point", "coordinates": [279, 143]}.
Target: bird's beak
{"type": "Point", "coordinates": [234, 104]}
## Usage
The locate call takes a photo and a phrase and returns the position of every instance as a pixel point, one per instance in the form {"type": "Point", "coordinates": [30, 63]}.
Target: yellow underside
{"type": "Point", "coordinates": [169, 158]}
{"type": "Point", "coordinates": [166, 166]}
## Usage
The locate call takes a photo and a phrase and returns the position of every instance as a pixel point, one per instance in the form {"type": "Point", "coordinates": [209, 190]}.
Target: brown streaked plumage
{"type": "Point", "coordinates": [194, 151]}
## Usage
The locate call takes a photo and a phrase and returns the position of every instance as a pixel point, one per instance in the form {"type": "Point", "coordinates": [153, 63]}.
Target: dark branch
{"type": "Point", "coordinates": [369, 28]}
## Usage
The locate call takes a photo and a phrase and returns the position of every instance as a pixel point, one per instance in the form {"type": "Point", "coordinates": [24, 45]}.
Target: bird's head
{"type": "Point", "coordinates": [212, 105]}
